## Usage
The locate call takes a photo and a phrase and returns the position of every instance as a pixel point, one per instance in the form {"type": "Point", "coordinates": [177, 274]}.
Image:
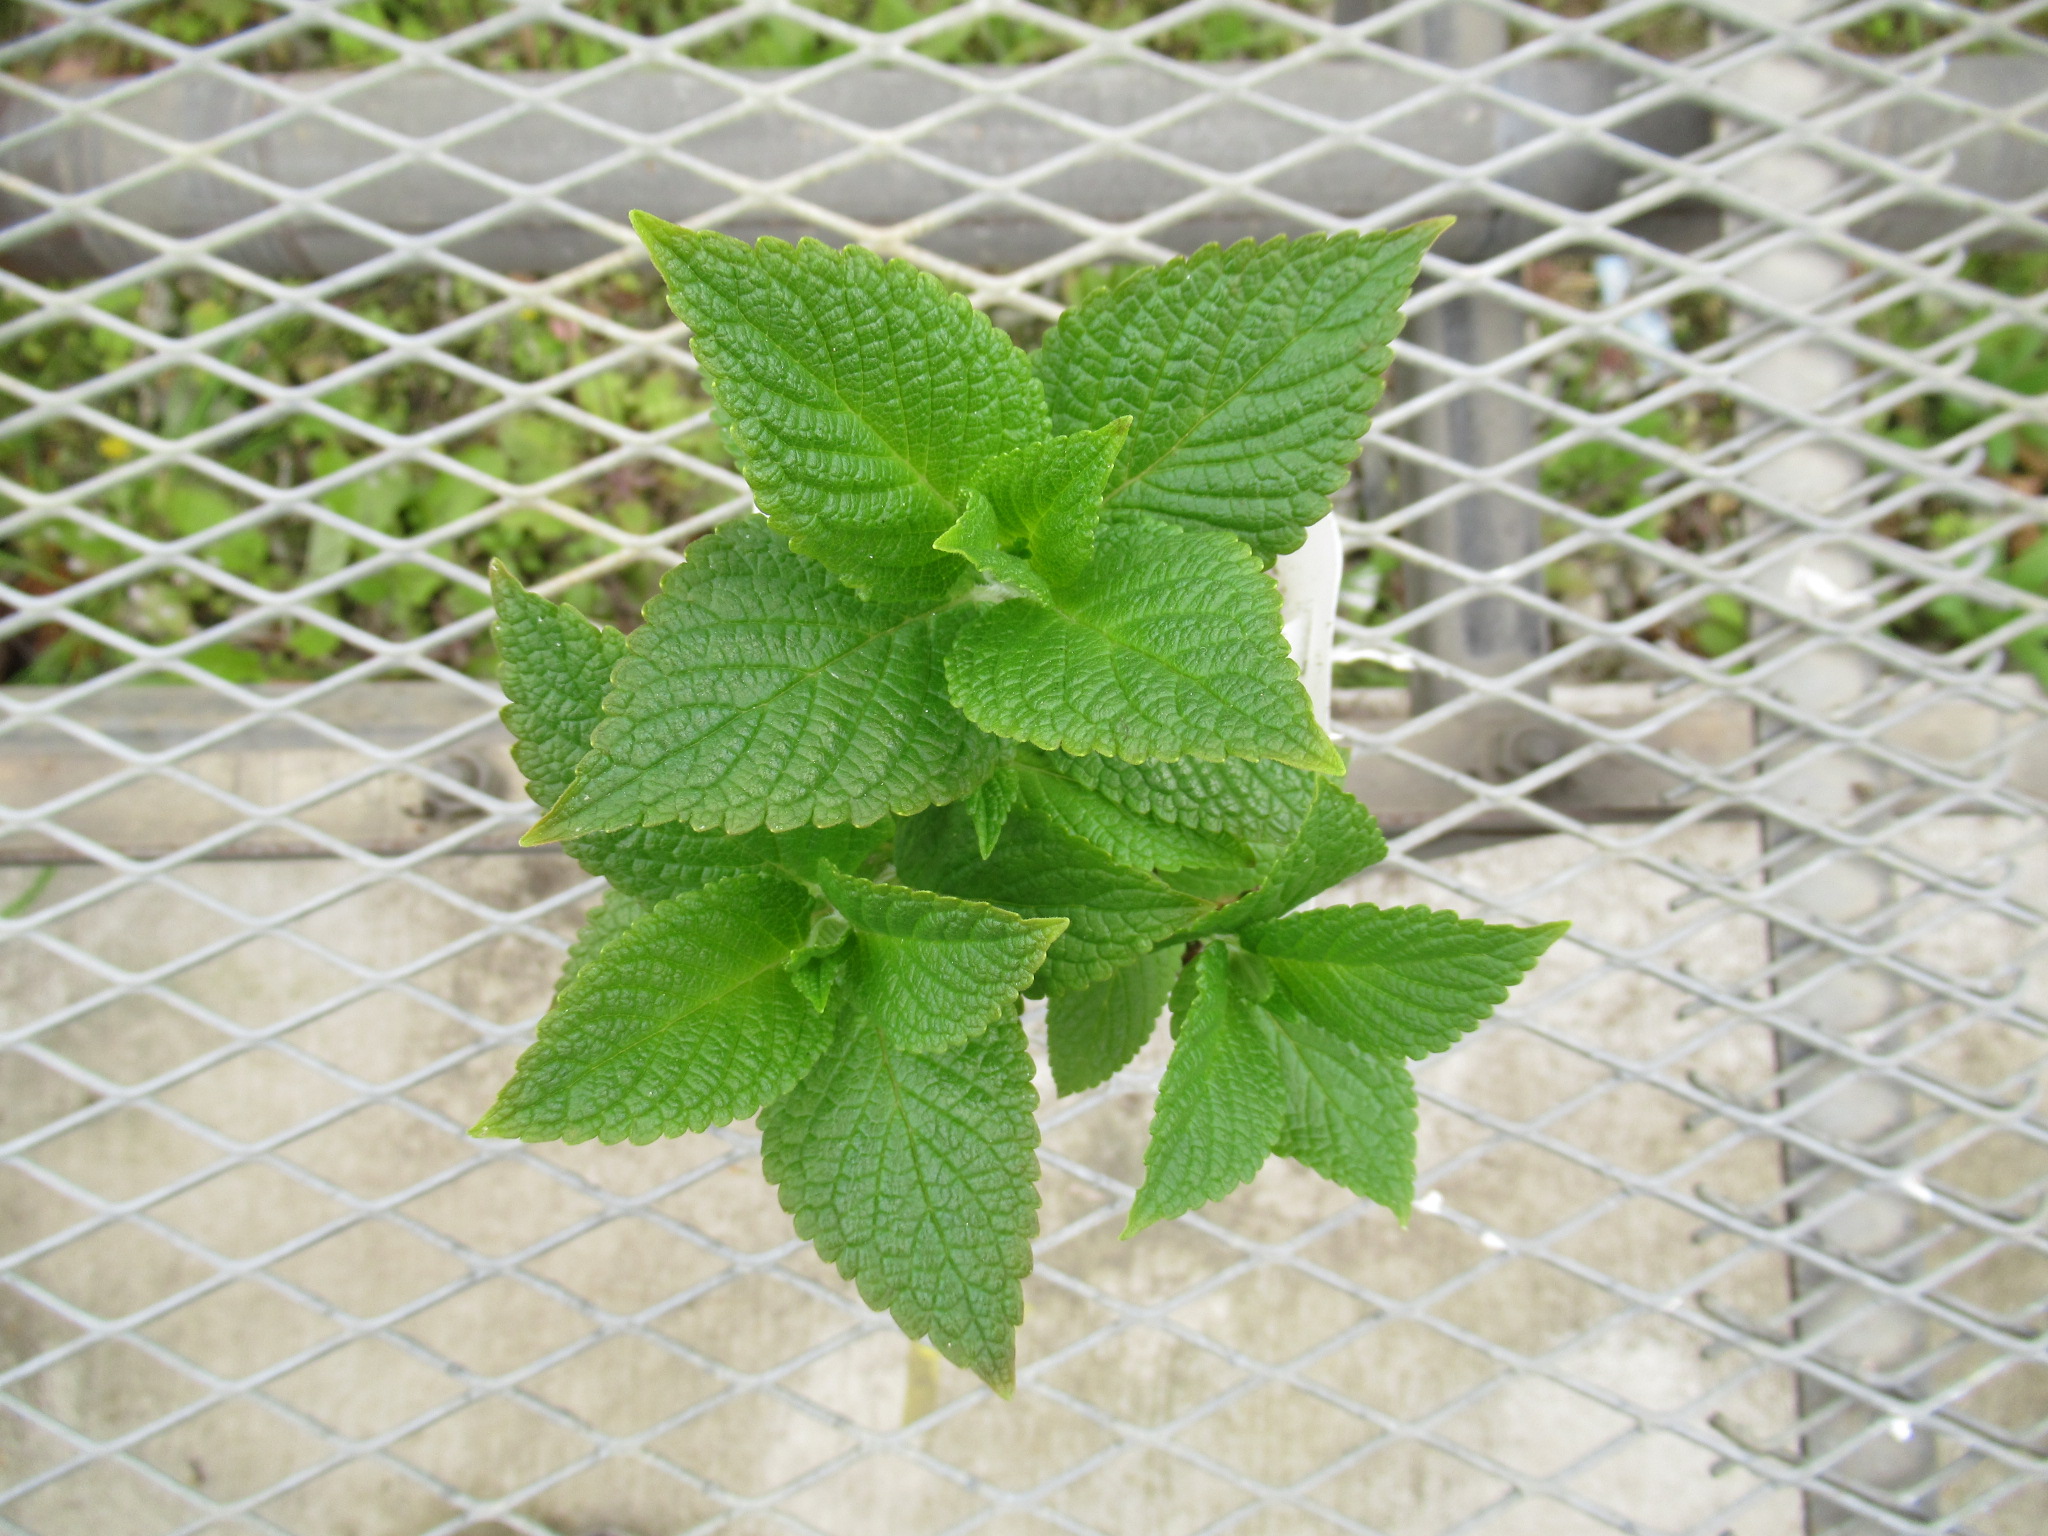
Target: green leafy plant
{"type": "Point", "coordinates": [992, 703]}
{"type": "Point", "coordinates": [1962, 619]}
{"type": "Point", "coordinates": [2013, 360]}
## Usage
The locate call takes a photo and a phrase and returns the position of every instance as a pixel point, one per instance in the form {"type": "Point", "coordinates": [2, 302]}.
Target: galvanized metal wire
{"type": "Point", "coordinates": [1732, 1220]}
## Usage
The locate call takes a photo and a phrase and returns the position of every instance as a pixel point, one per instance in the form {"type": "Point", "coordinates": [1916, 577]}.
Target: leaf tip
{"type": "Point", "coordinates": [1327, 761]}
{"type": "Point", "coordinates": [541, 833]}
{"type": "Point", "coordinates": [493, 1125]}
{"type": "Point", "coordinates": [650, 228]}
{"type": "Point", "coordinates": [562, 821]}
{"type": "Point", "coordinates": [1000, 1376]}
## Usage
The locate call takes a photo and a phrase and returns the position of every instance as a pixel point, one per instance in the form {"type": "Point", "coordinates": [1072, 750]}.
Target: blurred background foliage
{"type": "Point", "coordinates": [1615, 476]}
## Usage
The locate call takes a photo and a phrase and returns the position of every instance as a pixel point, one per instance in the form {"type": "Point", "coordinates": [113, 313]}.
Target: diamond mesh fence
{"type": "Point", "coordinates": [1693, 590]}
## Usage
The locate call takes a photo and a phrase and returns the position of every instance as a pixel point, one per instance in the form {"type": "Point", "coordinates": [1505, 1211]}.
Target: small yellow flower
{"type": "Point", "coordinates": [115, 448]}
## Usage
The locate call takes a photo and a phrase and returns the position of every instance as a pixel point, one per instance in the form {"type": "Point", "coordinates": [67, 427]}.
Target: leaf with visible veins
{"type": "Point", "coordinates": [683, 1021]}
{"type": "Point", "coordinates": [1222, 1103]}
{"type": "Point", "coordinates": [916, 1176]}
{"type": "Point", "coordinates": [761, 692]}
{"type": "Point", "coordinates": [1167, 646]}
{"type": "Point", "coordinates": [936, 970]}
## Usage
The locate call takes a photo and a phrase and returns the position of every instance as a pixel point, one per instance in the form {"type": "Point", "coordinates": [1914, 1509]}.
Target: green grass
{"type": "Point", "coordinates": [2012, 358]}
{"type": "Point", "coordinates": [1609, 479]}
{"type": "Point", "coordinates": [402, 500]}
{"type": "Point", "coordinates": [1910, 28]}
{"type": "Point", "coordinates": [761, 42]}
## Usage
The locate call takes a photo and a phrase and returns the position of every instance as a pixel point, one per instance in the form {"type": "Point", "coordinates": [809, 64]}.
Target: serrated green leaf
{"type": "Point", "coordinates": [655, 863]}
{"type": "Point", "coordinates": [815, 976]}
{"type": "Point", "coordinates": [817, 968]}
{"type": "Point", "coordinates": [1182, 997]}
{"type": "Point", "coordinates": [1049, 495]}
{"type": "Point", "coordinates": [848, 848]}
{"type": "Point", "coordinates": [990, 806]}
{"type": "Point", "coordinates": [555, 667]}
{"type": "Point", "coordinates": [1249, 373]}
{"type": "Point", "coordinates": [1114, 914]}
{"type": "Point", "coordinates": [857, 395]}
{"type": "Point", "coordinates": [684, 1021]}
{"type": "Point", "coordinates": [1260, 801]}
{"type": "Point", "coordinates": [977, 538]}
{"type": "Point", "coordinates": [1350, 1114]}
{"type": "Point", "coordinates": [916, 1176]}
{"type": "Point", "coordinates": [1168, 646]}
{"type": "Point", "coordinates": [1091, 1035]}
{"type": "Point", "coordinates": [1128, 837]}
{"type": "Point", "coordinates": [1399, 981]}
{"type": "Point", "coordinates": [934, 970]}
{"type": "Point", "coordinates": [607, 920]}
{"type": "Point", "coordinates": [1335, 841]}
{"type": "Point", "coordinates": [1222, 1102]}
{"type": "Point", "coordinates": [762, 692]}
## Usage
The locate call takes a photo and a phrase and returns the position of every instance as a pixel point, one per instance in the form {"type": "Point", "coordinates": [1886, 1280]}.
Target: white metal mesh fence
{"type": "Point", "coordinates": [1690, 597]}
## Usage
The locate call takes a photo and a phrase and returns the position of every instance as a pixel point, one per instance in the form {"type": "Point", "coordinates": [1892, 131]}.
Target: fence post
{"type": "Point", "coordinates": [1848, 1325]}
{"type": "Point", "coordinates": [1480, 529]}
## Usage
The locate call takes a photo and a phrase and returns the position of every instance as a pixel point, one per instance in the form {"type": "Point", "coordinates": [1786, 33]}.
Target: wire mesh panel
{"type": "Point", "coordinates": [1694, 592]}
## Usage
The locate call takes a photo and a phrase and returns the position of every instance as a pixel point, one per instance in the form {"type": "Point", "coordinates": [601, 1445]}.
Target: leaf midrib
{"type": "Point", "coordinates": [1087, 624]}
{"type": "Point", "coordinates": [831, 387]}
{"type": "Point", "coordinates": [1318, 1065]}
{"type": "Point", "coordinates": [898, 1097]}
{"type": "Point", "coordinates": [675, 1021]}
{"type": "Point", "coordinates": [1243, 387]}
{"type": "Point", "coordinates": [807, 675]}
